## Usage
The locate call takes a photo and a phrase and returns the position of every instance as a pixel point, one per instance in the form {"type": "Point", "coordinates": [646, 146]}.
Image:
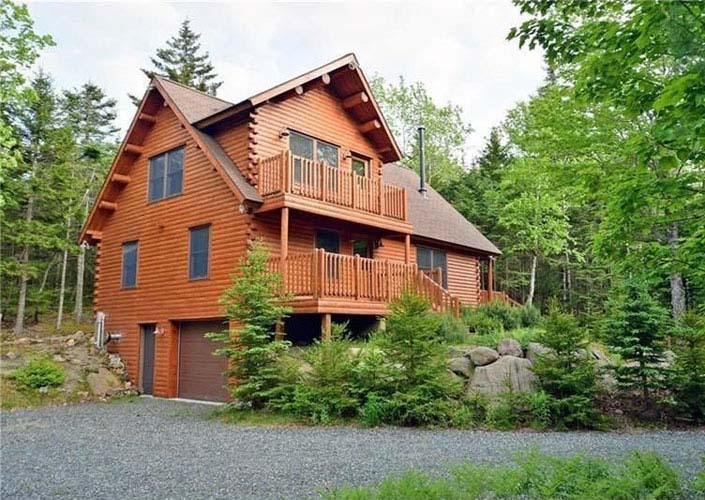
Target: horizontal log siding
{"type": "Point", "coordinates": [234, 142]}
{"type": "Point", "coordinates": [464, 277]}
{"type": "Point", "coordinates": [302, 230]}
{"type": "Point", "coordinates": [163, 290]}
{"type": "Point", "coordinates": [394, 250]}
{"type": "Point", "coordinates": [317, 113]}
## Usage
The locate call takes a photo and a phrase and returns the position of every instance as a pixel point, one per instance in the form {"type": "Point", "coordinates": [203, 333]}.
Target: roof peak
{"type": "Point", "coordinates": [192, 89]}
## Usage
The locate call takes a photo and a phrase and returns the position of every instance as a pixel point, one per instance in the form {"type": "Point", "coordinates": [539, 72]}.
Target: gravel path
{"type": "Point", "coordinates": [163, 449]}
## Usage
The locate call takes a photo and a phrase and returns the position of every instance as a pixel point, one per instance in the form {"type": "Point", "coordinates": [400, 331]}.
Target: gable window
{"type": "Point", "coordinates": [129, 264]}
{"type": "Point", "coordinates": [166, 174]}
{"type": "Point", "coordinates": [199, 243]}
{"type": "Point", "coordinates": [360, 166]}
{"type": "Point", "coordinates": [311, 149]}
{"type": "Point", "coordinates": [434, 263]}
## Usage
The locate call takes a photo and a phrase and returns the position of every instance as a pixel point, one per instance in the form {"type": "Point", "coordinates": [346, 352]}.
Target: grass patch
{"type": "Point", "coordinates": [639, 476]}
{"type": "Point", "coordinates": [13, 396]}
{"type": "Point", "coordinates": [257, 418]}
{"type": "Point", "coordinates": [522, 335]}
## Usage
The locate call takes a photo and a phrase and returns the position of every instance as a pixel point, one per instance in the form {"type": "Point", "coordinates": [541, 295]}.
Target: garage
{"type": "Point", "coordinates": [200, 371]}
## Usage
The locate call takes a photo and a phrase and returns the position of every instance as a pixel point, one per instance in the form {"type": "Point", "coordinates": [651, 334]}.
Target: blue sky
{"type": "Point", "coordinates": [457, 49]}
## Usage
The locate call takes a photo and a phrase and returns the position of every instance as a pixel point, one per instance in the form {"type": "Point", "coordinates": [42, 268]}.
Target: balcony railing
{"type": "Point", "coordinates": [324, 275]}
{"type": "Point", "coordinates": [288, 173]}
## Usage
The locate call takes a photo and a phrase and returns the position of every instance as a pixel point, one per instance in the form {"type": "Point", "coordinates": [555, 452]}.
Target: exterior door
{"type": "Point", "coordinates": [201, 373]}
{"type": "Point", "coordinates": [148, 359]}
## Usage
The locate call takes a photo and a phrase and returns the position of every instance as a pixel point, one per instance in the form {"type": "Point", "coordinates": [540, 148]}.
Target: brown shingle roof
{"type": "Point", "coordinates": [194, 104]}
{"type": "Point", "coordinates": [433, 217]}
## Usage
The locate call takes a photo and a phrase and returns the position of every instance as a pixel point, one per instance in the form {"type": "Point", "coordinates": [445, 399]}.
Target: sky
{"type": "Point", "coordinates": [458, 50]}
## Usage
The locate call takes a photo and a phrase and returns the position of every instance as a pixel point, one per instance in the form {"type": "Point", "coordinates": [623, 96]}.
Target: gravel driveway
{"type": "Point", "coordinates": [153, 448]}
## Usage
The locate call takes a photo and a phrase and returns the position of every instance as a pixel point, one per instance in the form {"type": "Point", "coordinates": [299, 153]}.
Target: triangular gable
{"type": "Point", "coordinates": [194, 104]}
{"type": "Point", "coordinates": [347, 81]}
{"type": "Point", "coordinates": [131, 147]}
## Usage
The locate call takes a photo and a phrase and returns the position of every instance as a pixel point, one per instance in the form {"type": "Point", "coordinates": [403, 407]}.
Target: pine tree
{"type": "Point", "coordinates": [182, 61]}
{"type": "Point", "coordinates": [493, 157]}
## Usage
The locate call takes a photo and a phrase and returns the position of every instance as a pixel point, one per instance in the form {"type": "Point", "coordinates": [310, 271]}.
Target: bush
{"type": "Point", "coordinates": [452, 330]}
{"type": "Point", "coordinates": [527, 315]}
{"type": "Point", "coordinates": [567, 377]}
{"type": "Point", "coordinates": [505, 313]}
{"type": "Point", "coordinates": [480, 323]}
{"type": "Point", "coordinates": [687, 379]}
{"type": "Point", "coordinates": [522, 335]}
{"type": "Point", "coordinates": [39, 372]}
{"type": "Point", "coordinates": [512, 410]}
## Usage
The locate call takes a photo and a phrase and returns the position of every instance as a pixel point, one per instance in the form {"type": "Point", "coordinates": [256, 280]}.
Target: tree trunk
{"type": "Point", "coordinates": [677, 288]}
{"type": "Point", "coordinates": [62, 289]}
{"type": "Point", "coordinates": [532, 281]}
{"type": "Point", "coordinates": [80, 271]}
{"type": "Point", "coordinates": [24, 274]}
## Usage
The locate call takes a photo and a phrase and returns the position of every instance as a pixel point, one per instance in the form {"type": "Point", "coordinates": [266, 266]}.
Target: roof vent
{"type": "Point", "coordinates": [422, 163]}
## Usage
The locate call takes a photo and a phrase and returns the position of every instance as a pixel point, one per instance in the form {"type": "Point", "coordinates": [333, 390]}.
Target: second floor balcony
{"type": "Point", "coordinates": [306, 180]}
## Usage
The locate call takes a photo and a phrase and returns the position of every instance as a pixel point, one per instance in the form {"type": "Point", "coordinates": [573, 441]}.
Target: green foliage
{"type": "Point", "coordinates": [634, 328]}
{"type": "Point", "coordinates": [687, 379]}
{"type": "Point", "coordinates": [452, 330]}
{"type": "Point", "coordinates": [253, 304]}
{"type": "Point", "coordinates": [496, 317]}
{"type": "Point", "coordinates": [406, 107]}
{"type": "Point", "coordinates": [513, 410]}
{"type": "Point", "coordinates": [39, 372]}
{"type": "Point", "coordinates": [569, 379]}
{"type": "Point", "coordinates": [522, 335]}
{"type": "Point", "coordinates": [533, 475]}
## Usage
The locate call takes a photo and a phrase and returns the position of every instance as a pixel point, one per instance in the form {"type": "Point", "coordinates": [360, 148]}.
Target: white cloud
{"type": "Point", "coordinates": [457, 49]}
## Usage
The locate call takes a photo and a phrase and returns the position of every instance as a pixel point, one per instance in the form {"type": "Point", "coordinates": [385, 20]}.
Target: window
{"type": "Point", "coordinates": [312, 149]}
{"type": "Point", "coordinates": [359, 166]}
{"type": "Point", "coordinates": [198, 253]}
{"type": "Point", "coordinates": [328, 241]}
{"type": "Point", "coordinates": [166, 174]}
{"type": "Point", "coordinates": [129, 264]}
{"type": "Point", "coordinates": [362, 248]}
{"type": "Point", "coordinates": [433, 262]}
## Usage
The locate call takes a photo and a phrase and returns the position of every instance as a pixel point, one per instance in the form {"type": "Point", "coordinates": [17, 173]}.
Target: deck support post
{"type": "Point", "coordinates": [490, 278]}
{"type": "Point", "coordinates": [279, 331]}
{"type": "Point", "coordinates": [284, 238]}
{"type": "Point", "coordinates": [326, 326]}
{"type": "Point", "coordinates": [407, 249]}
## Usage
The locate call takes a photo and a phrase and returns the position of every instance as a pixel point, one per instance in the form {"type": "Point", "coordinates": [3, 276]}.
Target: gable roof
{"type": "Point", "coordinates": [345, 79]}
{"type": "Point", "coordinates": [434, 217]}
{"type": "Point", "coordinates": [194, 104]}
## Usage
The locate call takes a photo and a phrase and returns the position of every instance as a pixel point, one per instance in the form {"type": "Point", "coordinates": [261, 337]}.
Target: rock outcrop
{"type": "Point", "coordinates": [481, 356]}
{"type": "Point", "coordinates": [508, 372]}
{"type": "Point", "coordinates": [510, 347]}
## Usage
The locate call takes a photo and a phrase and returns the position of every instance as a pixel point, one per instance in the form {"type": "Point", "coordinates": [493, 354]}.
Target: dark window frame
{"type": "Point", "coordinates": [136, 245]}
{"type": "Point", "coordinates": [315, 142]}
{"type": "Point", "coordinates": [165, 176]}
{"type": "Point", "coordinates": [444, 267]}
{"type": "Point", "coordinates": [191, 230]}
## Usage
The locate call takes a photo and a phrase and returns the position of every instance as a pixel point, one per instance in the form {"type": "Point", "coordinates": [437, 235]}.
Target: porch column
{"type": "Point", "coordinates": [284, 242]}
{"type": "Point", "coordinates": [490, 278]}
{"type": "Point", "coordinates": [279, 330]}
{"type": "Point", "coordinates": [407, 249]}
{"type": "Point", "coordinates": [325, 326]}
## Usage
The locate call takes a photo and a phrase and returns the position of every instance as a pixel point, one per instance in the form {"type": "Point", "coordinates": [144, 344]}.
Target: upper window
{"type": "Point", "coordinates": [166, 174]}
{"type": "Point", "coordinates": [359, 166]}
{"type": "Point", "coordinates": [198, 252]}
{"type": "Point", "coordinates": [328, 241]}
{"type": "Point", "coordinates": [434, 263]}
{"type": "Point", "coordinates": [129, 264]}
{"type": "Point", "coordinates": [313, 149]}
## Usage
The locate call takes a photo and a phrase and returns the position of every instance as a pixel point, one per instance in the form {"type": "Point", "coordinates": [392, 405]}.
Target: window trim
{"type": "Point", "coordinates": [208, 252]}
{"type": "Point", "coordinates": [364, 159]}
{"type": "Point", "coordinates": [122, 264]}
{"type": "Point", "coordinates": [315, 149]}
{"type": "Point", "coordinates": [166, 174]}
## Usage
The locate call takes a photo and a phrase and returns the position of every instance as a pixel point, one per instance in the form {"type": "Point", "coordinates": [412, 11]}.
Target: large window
{"type": "Point", "coordinates": [328, 241]}
{"type": "Point", "coordinates": [434, 263]}
{"type": "Point", "coordinates": [312, 149]}
{"type": "Point", "coordinates": [198, 252]}
{"type": "Point", "coordinates": [129, 264]}
{"type": "Point", "coordinates": [166, 174]}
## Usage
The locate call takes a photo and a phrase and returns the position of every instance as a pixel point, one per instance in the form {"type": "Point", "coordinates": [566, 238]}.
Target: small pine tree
{"type": "Point", "coordinates": [182, 61]}
{"type": "Point", "coordinates": [254, 305]}
{"type": "Point", "coordinates": [687, 380]}
{"type": "Point", "coordinates": [634, 328]}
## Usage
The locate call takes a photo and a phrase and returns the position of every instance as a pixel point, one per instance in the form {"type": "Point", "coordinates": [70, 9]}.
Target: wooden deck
{"type": "Point", "coordinates": [305, 184]}
{"type": "Point", "coordinates": [322, 282]}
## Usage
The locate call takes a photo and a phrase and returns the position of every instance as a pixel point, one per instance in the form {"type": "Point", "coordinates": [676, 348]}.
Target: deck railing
{"type": "Point", "coordinates": [288, 173]}
{"type": "Point", "coordinates": [329, 275]}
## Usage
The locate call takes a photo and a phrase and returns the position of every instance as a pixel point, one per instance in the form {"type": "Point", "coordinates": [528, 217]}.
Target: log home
{"type": "Point", "coordinates": [308, 167]}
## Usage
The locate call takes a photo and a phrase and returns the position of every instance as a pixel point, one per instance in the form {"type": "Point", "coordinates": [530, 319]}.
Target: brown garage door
{"type": "Point", "coordinates": [200, 372]}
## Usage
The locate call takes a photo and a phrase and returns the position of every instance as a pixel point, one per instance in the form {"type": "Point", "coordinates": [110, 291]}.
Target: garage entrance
{"type": "Point", "coordinates": [200, 371]}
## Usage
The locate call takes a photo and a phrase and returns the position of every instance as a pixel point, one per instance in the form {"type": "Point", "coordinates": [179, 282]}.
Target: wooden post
{"type": "Point", "coordinates": [286, 161]}
{"type": "Point", "coordinates": [381, 198]}
{"type": "Point", "coordinates": [284, 242]}
{"type": "Point", "coordinates": [314, 274]}
{"type": "Point", "coordinates": [490, 278]}
{"type": "Point", "coordinates": [279, 331]}
{"type": "Point", "coordinates": [407, 249]}
{"type": "Point", "coordinates": [357, 277]}
{"type": "Point", "coordinates": [321, 272]}
{"type": "Point", "coordinates": [389, 281]}
{"type": "Point", "coordinates": [325, 326]}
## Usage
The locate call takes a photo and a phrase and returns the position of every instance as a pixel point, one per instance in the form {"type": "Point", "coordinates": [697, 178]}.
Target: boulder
{"type": "Point", "coordinates": [58, 358]}
{"type": "Point", "coordinates": [71, 342]}
{"type": "Point", "coordinates": [103, 383]}
{"type": "Point", "coordinates": [460, 366]}
{"type": "Point", "coordinates": [600, 355]}
{"type": "Point", "coordinates": [115, 361]}
{"type": "Point", "coordinates": [457, 352]}
{"type": "Point", "coordinates": [534, 350]}
{"type": "Point", "coordinates": [510, 347]}
{"type": "Point", "coordinates": [507, 372]}
{"type": "Point", "coordinates": [11, 355]}
{"type": "Point", "coordinates": [482, 356]}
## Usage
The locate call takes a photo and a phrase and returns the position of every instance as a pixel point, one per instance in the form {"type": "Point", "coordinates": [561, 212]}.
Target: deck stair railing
{"type": "Point", "coordinates": [288, 173]}
{"type": "Point", "coordinates": [329, 275]}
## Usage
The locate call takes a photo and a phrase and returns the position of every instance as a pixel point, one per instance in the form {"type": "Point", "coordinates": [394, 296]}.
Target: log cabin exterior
{"type": "Point", "coordinates": [308, 167]}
